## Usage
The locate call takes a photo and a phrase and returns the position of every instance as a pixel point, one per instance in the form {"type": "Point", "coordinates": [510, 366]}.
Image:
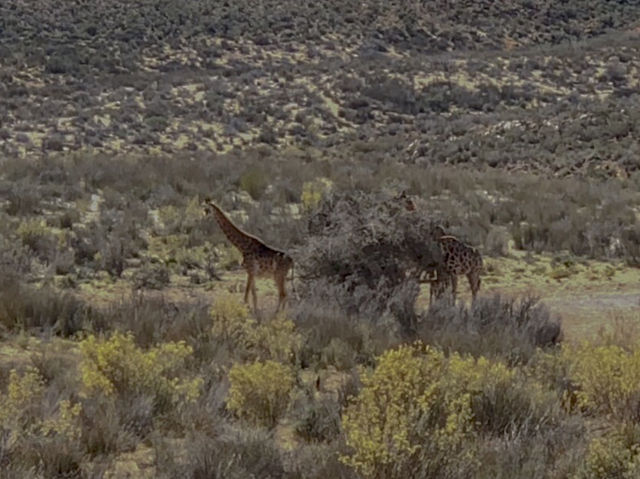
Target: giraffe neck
{"type": "Point", "coordinates": [240, 239]}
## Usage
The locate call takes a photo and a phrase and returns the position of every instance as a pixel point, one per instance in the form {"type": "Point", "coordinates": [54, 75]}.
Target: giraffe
{"type": "Point", "coordinates": [458, 258]}
{"type": "Point", "coordinates": [258, 259]}
{"type": "Point", "coordinates": [438, 276]}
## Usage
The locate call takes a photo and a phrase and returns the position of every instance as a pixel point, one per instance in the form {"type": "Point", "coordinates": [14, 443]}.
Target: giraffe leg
{"type": "Point", "coordinates": [437, 288]}
{"type": "Point", "coordinates": [254, 295]}
{"type": "Point", "coordinates": [280, 279]}
{"type": "Point", "coordinates": [474, 283]}
{"type": "Point", "coordinates": [248, 287]}
{"type": "Point", "coordinates": [454, 287]}
{"type": "Point", "coordinates": [251, 286]}
{"type": "Point", "coordinates": [432, 291]}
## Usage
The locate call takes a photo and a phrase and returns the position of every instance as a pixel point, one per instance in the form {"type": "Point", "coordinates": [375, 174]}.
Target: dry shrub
{"type": "Point", "coordinates": [363, 254]}
{"type": "Point", "coordinates": [509, 328]}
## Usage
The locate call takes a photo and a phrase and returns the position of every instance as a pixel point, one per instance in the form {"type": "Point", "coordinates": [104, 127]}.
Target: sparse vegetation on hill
{"type": "Point", "coordinates": [464, 83]}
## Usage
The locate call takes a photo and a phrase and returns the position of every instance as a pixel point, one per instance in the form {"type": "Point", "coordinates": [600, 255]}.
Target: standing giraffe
{"type": "Point", "coordinates": [458, 258]}
{"type": "Point", "coordinates": [258, 259]}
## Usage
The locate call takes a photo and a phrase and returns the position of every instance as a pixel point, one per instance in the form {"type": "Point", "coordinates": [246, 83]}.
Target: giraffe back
{"type": "Point", "coordinates": [267, 261]}
{"type": "Point", "coordinates": [459, 258]}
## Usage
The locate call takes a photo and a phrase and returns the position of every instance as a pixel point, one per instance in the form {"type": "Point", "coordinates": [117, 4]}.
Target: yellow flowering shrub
{"type": "Point", "coordinates": [313, 191]}
{"type": "Point", "coordinates": [400, 408]}
{"type": "Point", "coordinates": [260, 392]}
{"type": "Point", "coordinates": [616, 455]}
{"type": "Point", "coordinates": [276, 339]}
{"type": "Point", "coordinates": [21, 413]}
{"type": "Point", "coordinates": [24, 392]}
{"type": "Point", "coordinates": [117, 366]}
{"type": "Point", "coordinates": [67, 422]}
{"type": "Point", "coordinates": [607, 379]}
{"type": "Point", "coordinates": [419, 411]}
{"type": "Point", "coordinates": [231, 319]}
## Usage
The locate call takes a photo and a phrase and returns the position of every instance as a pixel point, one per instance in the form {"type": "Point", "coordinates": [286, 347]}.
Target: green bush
{"type": "Point", "coordinates": [152, 275]}
{"type": "Point", "coordinates": [259, 392]}
{"type": "Point", "coordinates": [332, 338]}
{"type": "Point", "coordinates": [235, 455]}
{"type": "Point", "coordinates": [318, 420]}
{"type": "Point", "coordinates": [38, 236]}
{"type": "Point", "coordinates": [508, 328]}
{"type": "Point", "coordinates": [320, 461]}
{"type": "Point", "coordinates": [24, 307]}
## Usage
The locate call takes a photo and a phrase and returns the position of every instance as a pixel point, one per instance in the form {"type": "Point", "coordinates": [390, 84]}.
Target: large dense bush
{"type": "Point", "coordinates": [365, 254]}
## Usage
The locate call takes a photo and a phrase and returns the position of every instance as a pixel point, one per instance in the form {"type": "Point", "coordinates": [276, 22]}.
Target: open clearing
{"type": "Point", "coordinates": [587, 295]}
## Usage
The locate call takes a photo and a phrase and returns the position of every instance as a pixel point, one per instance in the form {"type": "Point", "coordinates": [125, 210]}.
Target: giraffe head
{"type": "Point", "coordinates": [206, 205]}
{"type": "Point", "coordinates": [437, 232]}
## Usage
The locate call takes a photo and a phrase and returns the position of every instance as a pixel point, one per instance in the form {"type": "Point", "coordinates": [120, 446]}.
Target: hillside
{"type": "Point", "coordinates": [521, 85]}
